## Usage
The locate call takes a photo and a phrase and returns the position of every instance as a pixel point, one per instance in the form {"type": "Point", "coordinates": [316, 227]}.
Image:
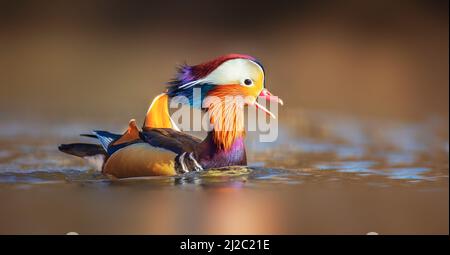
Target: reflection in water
{"type": "Point", "coordinates": [349, 167]}
{"type": "Point", "coordinates": [395, 158]}
{"type": "Point", "coordinates": [413, 173]}
{"type": "Point", "coordinates": [344, 177]}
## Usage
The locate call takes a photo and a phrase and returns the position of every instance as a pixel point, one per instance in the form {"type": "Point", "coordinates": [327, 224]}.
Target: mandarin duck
{"type": "Point", "coordinates": [160, 148]}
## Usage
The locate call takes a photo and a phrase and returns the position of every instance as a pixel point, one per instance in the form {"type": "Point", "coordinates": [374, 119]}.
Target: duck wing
{"type": "Point", "coordinates": [170, 139]}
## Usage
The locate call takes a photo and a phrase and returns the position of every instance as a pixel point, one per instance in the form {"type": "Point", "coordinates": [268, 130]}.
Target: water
{"type": "Point", "coordinates": [326, 174]}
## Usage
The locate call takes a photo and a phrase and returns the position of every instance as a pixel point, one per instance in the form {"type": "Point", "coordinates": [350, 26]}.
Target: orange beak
{"type": "Point", "coordinates": [269, 97]}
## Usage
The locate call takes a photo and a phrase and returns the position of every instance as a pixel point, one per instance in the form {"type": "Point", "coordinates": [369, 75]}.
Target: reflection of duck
{"type": "Point", "coordinates": [160, 148]}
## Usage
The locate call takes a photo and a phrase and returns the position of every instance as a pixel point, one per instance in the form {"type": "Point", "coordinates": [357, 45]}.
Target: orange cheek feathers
{"type": "Point", "coordinates": [227, 117]}
{"type": "Point", "coordinates": [222, 91]}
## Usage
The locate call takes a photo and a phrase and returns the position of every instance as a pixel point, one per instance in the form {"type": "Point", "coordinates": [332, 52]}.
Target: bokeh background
{"type": "Point", "coordinates": [102, 59]}
{"type": "Point", "coordinates": [363, 135]}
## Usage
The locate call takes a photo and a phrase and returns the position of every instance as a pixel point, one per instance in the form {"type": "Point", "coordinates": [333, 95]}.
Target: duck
{"type": "Point", "coordinates": [224, 86]}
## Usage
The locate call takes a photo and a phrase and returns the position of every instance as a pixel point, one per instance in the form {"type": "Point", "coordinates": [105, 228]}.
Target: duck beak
{"type": "Point", "coordinates": [269, 97]}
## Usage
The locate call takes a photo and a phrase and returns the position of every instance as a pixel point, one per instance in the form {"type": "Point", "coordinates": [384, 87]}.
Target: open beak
{"type": "Point", "coordinates": [269, 97]}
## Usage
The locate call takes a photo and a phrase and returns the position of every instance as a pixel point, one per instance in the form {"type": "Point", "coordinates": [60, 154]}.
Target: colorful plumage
{"type": "Point", "coordinates": [226, 84]}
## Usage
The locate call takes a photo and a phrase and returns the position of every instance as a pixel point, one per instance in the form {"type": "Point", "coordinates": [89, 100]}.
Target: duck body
{"type": "Point", "coordinates": [162, 152]}
{"type": "Point", "coordinates": [160, 148]}
{"type": "Point", "coordinates": [140, 159]}
{"type": "Point", "coordinates": [155, 152]}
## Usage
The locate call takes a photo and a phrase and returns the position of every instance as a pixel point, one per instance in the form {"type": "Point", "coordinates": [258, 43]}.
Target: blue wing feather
{"type": "Point", "coordinates": [106, 138]}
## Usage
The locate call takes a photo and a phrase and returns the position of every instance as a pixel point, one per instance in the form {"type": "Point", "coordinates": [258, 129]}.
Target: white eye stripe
{"type": "Point", "coordinates": [235, 71]}
{"type": "Point", "coordinates": [231, 72]}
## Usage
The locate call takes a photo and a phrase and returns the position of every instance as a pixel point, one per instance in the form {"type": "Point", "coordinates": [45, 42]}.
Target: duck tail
{"type": "Point", "coordinates": [158, 114]}
{"type": "Point", "coordinates": [93, 153]}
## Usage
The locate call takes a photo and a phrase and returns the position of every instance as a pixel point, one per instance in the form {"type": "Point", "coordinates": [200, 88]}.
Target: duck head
{"type": "Point", "coordinates": [224, 86]}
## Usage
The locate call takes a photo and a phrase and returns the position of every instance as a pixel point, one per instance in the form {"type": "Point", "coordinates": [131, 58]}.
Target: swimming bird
{"type": "Point", "coordinates": [224, 87]}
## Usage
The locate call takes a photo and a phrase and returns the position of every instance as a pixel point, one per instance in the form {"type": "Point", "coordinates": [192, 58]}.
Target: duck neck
{"type": "Point", "coordinates": [224, 144]}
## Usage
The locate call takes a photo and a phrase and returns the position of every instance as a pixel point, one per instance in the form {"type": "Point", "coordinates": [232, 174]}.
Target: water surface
{"type": "Point", "coordinates": [324, 175]}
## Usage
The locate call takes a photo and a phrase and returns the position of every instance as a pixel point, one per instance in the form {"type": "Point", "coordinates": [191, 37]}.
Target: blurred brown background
{"type": "Point", "coordinates": [70, 60]}
{"type": "Point", "coordinates": [67, 67]}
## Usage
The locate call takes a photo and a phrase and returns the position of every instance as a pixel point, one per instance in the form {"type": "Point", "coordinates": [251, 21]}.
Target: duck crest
{"type": "Point", "coordinates": [187, 73]}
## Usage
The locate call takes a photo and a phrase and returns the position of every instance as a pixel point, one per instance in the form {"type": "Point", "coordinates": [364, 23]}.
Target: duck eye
{"type": "Point", "coordinates": [248, 82]}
